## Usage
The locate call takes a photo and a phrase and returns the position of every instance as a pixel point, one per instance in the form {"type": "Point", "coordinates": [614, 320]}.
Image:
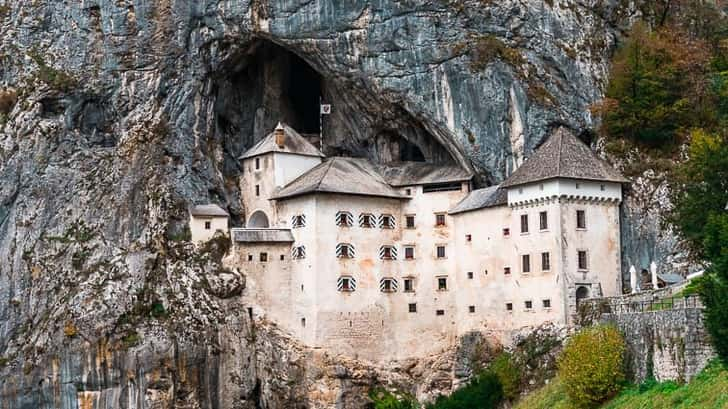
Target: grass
{"type": "Point", "coordinates": [709, 390]}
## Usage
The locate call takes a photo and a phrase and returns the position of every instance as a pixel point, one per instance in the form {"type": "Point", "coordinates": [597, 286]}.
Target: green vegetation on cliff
{"type": "Point", "coordinates": [709, 390]}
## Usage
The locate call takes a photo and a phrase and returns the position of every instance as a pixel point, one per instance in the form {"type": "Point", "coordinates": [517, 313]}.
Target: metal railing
{"type": "Point", "coordinates": [668, 303]}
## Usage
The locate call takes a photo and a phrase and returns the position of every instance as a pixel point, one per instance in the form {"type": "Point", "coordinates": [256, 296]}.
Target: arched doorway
{"type": "Point", "coordinates": [582, 292]}
{"type": "Point", "coordinates": [258, 220]}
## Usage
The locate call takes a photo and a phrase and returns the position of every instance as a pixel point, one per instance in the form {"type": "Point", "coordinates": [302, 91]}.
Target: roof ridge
{"type": "Point", "coordinates": [323, 175]}
{"type": "Point", "coordinates": [560, 149]}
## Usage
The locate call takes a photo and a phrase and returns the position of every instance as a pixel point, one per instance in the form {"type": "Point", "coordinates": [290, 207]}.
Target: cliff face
{"type": "Point", "coordinates": [116, 115]}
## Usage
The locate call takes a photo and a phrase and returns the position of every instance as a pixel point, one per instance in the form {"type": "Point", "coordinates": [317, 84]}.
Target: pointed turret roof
{"type": "Point", "coordinates": [563, 155]}
{"type": "Point", "coordinates": [292, 143]}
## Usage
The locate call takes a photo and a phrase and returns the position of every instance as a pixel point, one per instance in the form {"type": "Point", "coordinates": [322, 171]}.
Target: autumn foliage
{"type": "Point", "coordinates": [592, 365]}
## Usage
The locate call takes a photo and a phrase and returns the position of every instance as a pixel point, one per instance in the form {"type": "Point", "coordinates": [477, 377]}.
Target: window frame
{"type": "Point", "coordinates": [388, 285]}
{"type": "Point", "coordinates": [208, 225]}
{"type": "Point", "coordinates": [412, 307]}
{"type": "Point", "coordinates": [524, 223]}
{"type": "Point", "coordinates": [544, 303]}
{"type": "Point", "coordinates": [528, 305]}
{"type": "Point", "coordinates": [263, 257]}
{"type": "Point", "coordinates": [257, 190]}
{"type": "Point", "coordinates": [525, 263]}
{"type": "Point", "coordinates": [438, 217]}
{"type": "Point", "coordinates": [411, 247]}
{"type": "Point", "coordinates": [509, 306]}
{"type": "Point", "coordinates": [372, 222]}
{"type": "Point", "coordinates": [408, 282]}
{"type": "Point", "coordinates": [348, 218]}
{"type": "Point", "coordinates": [506, 232]}
{"type": "Point", "coordinates": [547, 265]}
{"type": "Point", "coordinates": [507, 270]}
{"type": "Point", "coordinates": [350, 286]}
{"type": "Point", "coordinates": [345, 251]}
{"type": "Point", "coordinates": [437, 251]}
{"type": "Point", "coordinates": [543, 220]}
{"type": "Point", "coordinates": [407, 218]}
{"type": "Point", "coordinates": [391, 222]}
{"type": "Point", "coordinates": [298, 221]}
{"type": "Point", "coordinates": [298, 252]}
{"type": "Point", "coordinates": [581, 212]}
{"type": "Point", "coordinates": [471, 309]}
{"type": "Point", "coordinates": [387, 252]}
{"type": "Point", "coordinates": [441, 285]}
{"type": "Point", "coordinates": [578, 260]}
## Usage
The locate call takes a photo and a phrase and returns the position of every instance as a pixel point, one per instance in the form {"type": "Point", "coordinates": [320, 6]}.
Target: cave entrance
{"type": "Point", "coordinates": [304, 91]}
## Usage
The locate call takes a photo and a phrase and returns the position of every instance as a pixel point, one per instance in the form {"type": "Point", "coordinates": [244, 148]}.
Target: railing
{"type": "Point", "coordinates": [669, 303]}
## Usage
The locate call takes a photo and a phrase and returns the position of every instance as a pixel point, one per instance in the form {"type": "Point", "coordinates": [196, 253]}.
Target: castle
{"type": "Point", "coordinates": [398, 260]}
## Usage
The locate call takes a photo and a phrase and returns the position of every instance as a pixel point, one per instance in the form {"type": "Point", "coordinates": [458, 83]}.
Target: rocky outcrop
{"type": "Point", "coordinates": [117, 115]}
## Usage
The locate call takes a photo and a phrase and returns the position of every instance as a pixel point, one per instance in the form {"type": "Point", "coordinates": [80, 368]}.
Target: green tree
{"type": "Point", "coordinates": [700, 195]}
{"type": "Point", "coordinates": [592, 365]}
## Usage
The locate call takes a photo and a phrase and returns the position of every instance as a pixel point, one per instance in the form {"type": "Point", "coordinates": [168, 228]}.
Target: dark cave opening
{"type": "Point", "coordinates": [304, 90]}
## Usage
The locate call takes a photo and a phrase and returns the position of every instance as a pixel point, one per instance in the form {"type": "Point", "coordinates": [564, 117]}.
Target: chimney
{"type": "Point", "coordinates": [280, 135]}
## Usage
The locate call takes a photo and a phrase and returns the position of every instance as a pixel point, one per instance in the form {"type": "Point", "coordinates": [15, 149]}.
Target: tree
{"type": "Point", "coordinates": [700, 195]}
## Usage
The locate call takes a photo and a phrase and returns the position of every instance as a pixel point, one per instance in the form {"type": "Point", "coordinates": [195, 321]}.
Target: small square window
{"type": "Point", "coordinates": [528, 304]}
{"type": "Point", "coordinates": [257, 190]}
{"type": "Point", "coordinates": [601, 187]}
{"type": "Point", "coordinates": [468, 237]}
{"type": "Point", "coordinates": [471, 309]}
{"type": "Point", "coordinates": [506, 232]}
{"type": "Point", "coordinates": [366, 220]}
{"type": "Point", "coordinates": [344, 219]}
{"type": "Point", "coordinates": [409, 252]}
{"type": "Point", "coordinates": [442, 284]}
{"type": "Point", "coordinates": [208, 225]}
{"type": "Point", "coordinates": [439, 220]}
{"type": "Point", "coordinates": [410, 221]}
{"type": "Point", "coordinates": [578, 185]}
{"type": "Point", "coordinates": [440, 312]}
{"type": "Point", "coordinates": [250, 257]}
{"type": "Point", "coordinates": [409, 285]}
{"type": "Point", "coordinates": [546, 303]}
{"type": "Point", "coordinates": [506, 270]}
{"type": "Point", "coordinates": [470, 275]}
{"type": "Point", "coordinates": [283, 257]}
{"type": "Point", "coordinates": [408, 192]}
{"type": "Point", "coordinates": [412, 307]}
{"type": "Point", "coordinates": [386, 221]}
{"type": "Point", "coordinates": [509, 306]}
{"type": "Point", "coordinates": [263, 257]}
{"type": "Point", "coordinates": [440, 251]}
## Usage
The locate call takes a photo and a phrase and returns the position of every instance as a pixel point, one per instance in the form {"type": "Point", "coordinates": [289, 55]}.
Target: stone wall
{"type": "Point", "coordinates": [666, 340]}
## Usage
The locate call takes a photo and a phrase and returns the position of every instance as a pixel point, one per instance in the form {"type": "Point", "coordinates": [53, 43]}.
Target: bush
{"type": "Point", "coordinates": [384, 399]}
{"type": "Point", "coordinates": [483, 392]}
{"type": "Point", "coordinates": [592, 365]}
{"type": "Point", "coordinates": [508, 374]}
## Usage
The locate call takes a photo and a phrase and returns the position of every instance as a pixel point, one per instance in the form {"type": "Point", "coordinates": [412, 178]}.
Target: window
{"type": "Point", "coordinates": [298, 252]}
{"type": "Point", "coordinates": [283, 257]}
{"type": "Point", "coordinates": [263, 257]}
{"type": "Point", "coordinates": [303, 322]}
{"type": "Point", "coordinates": [546, 303]}
{"type": "Point", "coordinates": [442, 187]}
{"type": "Point", "coordinates": [506, 270]}
{"type": "Point", "coordinates": [366, 220]}
{"type": "Point", "coordinates": [346, 284]}
{"type": "Point", "coordinates": [344, 219]}
{"type": "Point", "coordinates": [580, 219]}
{"type": "Point", "coordinates": [582, 262]}
{"type": "Point", "coordinates": [387, 253]}
{"type": "Point", "coordinates": [409, 252]}
{"type": "Point", "coordinates": [208, 225]}
{"type": "Point", "coordinates": [470, 275]}
{"type": "Point", "coordinates": [526, 263]}
{"type": "Point", "coordinates": [409, 285]}
{"type": "Point", "coordinates": [440, 219]}
{"type": "Point", "coordinates": [440, 312]}
{"type": "Point", "coordinates": [509, 306]}
{"type": "Point", "coordinates": [578, 186]}
{"type": "Point", "coordinates": [506, 232]}
{"type": "Point", "coordinates": [344, 250]}
{"type": "Point", "coordinates": [440, 251]}
{"type": "Point", "coordinates": [386, 221]}
{"type": "Point", "coordinates": [601, 187]}
{"type": "Point", "coordinates": [257, 163]}
{"type": "Point", "coordinates": [408, 192]}
{"type": "Point", "coordinates": [545, 261]}
{"type": "Point", "coordinates": [388, 285]}
{"type": "Point", "coordinates": [298, 220]}
{"type": "Point", "coordinates": [412, 307]}
{"type": "Point", "coordinates": [468, 237]}
{"type": "Point", "coordinates": [543, 221]}
{"type": "Point", "coordinates": [471, 309]}
{"type": "Point", "coordinates": [524, 223]}
{"type": "Point", "coordinates": [528, 304]}
{"type": "Point", "coordinates": [257, 190]}
{"type": "Point", "coordinates": [410, 221]}
{"type": "Point", "coordinates": [442, 283]}
{"type": "Point", "coordinates": [250, 257]}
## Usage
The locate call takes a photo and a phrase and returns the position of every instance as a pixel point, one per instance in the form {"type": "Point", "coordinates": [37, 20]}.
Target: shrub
{"type": "Point", "coordinates": [592, 365]}
{"type": "Point", "coordinates": [508, 374]}
{"type": "Point", "coordinates": [384, 399]}
{"type": "Point", "coordinates": [482, 392]}
{"type": "Point", "coordinates": [69, 329]}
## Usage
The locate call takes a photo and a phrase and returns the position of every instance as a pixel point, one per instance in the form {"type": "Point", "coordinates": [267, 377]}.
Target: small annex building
{"type": "Point", "coordinates": [206, 220]}
{"type": "Point", "coordinates": [389, 261]}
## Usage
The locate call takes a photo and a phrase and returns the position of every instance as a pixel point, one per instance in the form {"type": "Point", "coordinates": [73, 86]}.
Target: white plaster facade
{"type": "Point", "coordinates": [380, 320]}
{"type": "Point", "coordinates": [205, 221]}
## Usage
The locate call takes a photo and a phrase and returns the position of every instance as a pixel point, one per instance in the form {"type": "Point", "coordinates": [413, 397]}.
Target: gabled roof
{"type": "Point", "coordinates": [481, 198]}
{"type": "Point", "coordinates": [421, 173]}
{"type": "Point", "coordinates": [354, 176]}
{"type": "Point", "coordinates": [208, 210]}
{"type": "Point", "coordinates": [293, 143]}
{"type": "Point", "coordinates": [262, 236]}
{"type": "Point", "coordinates": [563, 155]}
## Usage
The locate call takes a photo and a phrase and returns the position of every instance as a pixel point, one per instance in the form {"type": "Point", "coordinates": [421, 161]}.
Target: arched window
{"type": "Point", "coordinates": [258, 220]}
{"type": "Point", "coordinates": [582, 292]}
